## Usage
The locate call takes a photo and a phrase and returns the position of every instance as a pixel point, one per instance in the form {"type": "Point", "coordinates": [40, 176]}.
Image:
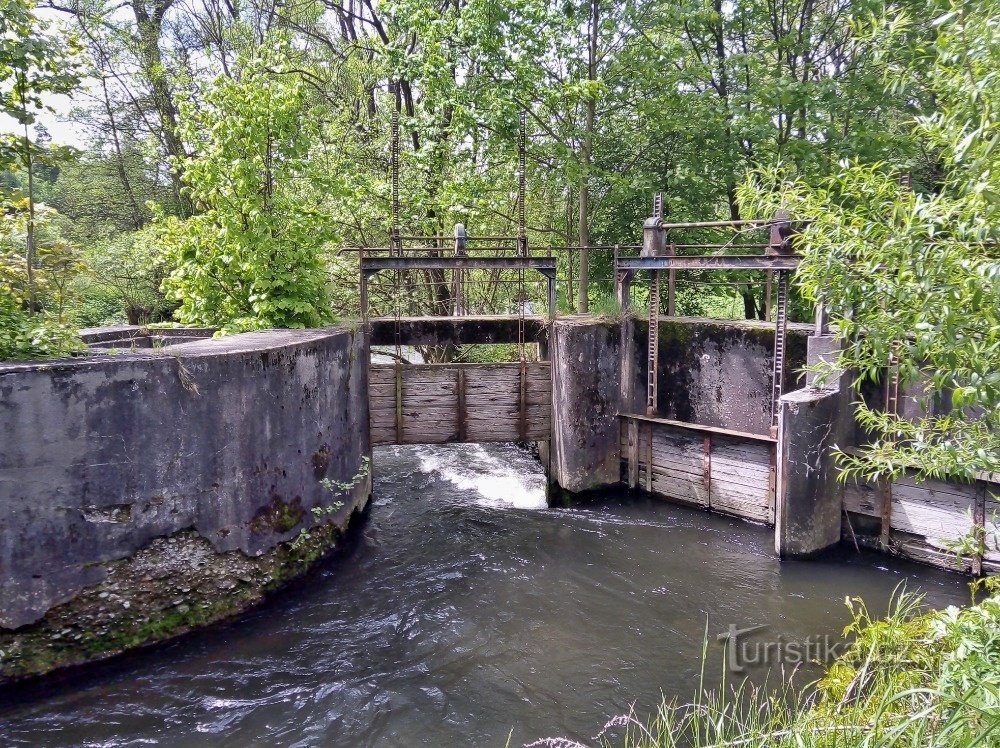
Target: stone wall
{"type": "Point", "coordinates": [145, 493]}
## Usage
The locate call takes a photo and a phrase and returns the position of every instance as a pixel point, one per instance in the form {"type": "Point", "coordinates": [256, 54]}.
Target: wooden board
{"type": "Point", "coordinates": [448, 403]}
{"type": "Point", "coordinates": [729, 473]}
{"type": "Point", "coordinates": [742, 478]}
{"type": "Point", "coordinates": [933, 509]}
{"type": "Point", "coordinates": [926, 517]}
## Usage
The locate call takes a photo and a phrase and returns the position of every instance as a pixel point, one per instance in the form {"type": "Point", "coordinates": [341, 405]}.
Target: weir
{"type": "Point", "coordinates": [225, 467]}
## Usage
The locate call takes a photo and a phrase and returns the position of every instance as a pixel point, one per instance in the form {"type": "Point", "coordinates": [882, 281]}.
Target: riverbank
{"type": "Point", "coordinates": [911, 678]}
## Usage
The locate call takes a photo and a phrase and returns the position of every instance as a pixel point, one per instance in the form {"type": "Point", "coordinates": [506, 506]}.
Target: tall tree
{"type": "Point", "coordinates": [35, 62]}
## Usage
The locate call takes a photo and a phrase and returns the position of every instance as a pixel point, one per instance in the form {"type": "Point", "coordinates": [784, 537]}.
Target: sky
{"type": "Point", "coordinates": [63, 133]}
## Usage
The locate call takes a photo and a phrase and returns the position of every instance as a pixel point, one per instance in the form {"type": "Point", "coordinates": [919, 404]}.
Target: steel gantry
{"type": "Point", "coordinates": [659, 255]}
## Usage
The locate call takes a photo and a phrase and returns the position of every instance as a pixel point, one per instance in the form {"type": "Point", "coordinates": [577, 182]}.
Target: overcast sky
{"type": "Point", "coordinates": [63, 133]}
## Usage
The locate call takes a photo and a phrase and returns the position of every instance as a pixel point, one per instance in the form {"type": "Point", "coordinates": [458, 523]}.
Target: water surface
{"type": "Point", "coordinates": [463, 612]}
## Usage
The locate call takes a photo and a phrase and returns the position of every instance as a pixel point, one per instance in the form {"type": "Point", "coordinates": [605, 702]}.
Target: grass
{"type": "Point", "coordinates": [913, 678]}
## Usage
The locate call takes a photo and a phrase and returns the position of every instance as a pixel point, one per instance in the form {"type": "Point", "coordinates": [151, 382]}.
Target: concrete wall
{"type": "Point", "coordinates": [711, 372]}
{"type": "Point", "coordinates": [715, 372]}
{"type": "Point", "coordinates": [809, 495]}
{"type": "Point", "coordinates": [586, 356]}
{"type": "Point", "coordinates": [128, 337]}
{"type": "Point", "coordinates": [142, 494]}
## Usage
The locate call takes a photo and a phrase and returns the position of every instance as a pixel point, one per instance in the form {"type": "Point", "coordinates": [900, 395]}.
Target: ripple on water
{"type": "Point", "coordinates": [463, 612]}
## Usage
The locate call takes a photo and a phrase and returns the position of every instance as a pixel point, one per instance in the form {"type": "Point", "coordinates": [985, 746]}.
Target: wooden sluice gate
{"type": "Point", "coordinates": [449, 403]}
{"type": "Point", "coordinates": [442, 403]}
{"type": "Point", "coordinates": [712, 468]}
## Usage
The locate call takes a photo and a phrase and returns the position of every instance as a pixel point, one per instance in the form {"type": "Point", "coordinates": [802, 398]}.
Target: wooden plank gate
{"type": "Point", "coordinates": [719, 469]}
{"type": "Point", "coordinates": [450, 403]}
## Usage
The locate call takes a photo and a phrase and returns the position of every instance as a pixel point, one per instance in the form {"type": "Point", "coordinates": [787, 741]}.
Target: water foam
{"type": "Point", "coordinates": [501, 475]}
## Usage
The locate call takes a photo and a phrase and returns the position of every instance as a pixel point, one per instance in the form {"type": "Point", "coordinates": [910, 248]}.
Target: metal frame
{"type": "Point", "coordinates": [656, 255]}
{"type": "Point", "coordinates": [709, 262]}
{"type": "Point", "coordinates": [544, 265]}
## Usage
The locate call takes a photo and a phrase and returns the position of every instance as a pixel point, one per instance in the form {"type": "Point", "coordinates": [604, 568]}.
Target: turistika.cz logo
{"type": "Point", "coordinates": [744, 650]}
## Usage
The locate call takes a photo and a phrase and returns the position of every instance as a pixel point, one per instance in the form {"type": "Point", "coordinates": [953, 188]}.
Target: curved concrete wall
{"type": "Point", "coordinates": [143, 494]}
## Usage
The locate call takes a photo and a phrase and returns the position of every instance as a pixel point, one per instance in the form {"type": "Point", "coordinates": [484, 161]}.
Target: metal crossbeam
{"type": "Point", "coordinates": [544, 265]}
{"type": "Point", "coordinates": [710, 262]}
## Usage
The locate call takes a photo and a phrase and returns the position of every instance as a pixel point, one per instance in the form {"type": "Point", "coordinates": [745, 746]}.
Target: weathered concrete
{"type": "Point", "coordinates": [136, 336]}
{"type": "Point", "coordinates": [449, 331]}
{"type": "Point", "coordinates": [221, 446]}
{"type": "Point", "coordinates": [715, 372]}
{"type": "Point", "coordinates": [809, 496]}
{"type": "Point", "coordinates": [586, 361]}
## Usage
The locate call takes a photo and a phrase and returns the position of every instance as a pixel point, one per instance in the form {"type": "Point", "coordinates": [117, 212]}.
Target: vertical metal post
{"type": "Point", "coordinates": [364, 297]}
{"type": "Point", "coordinates": [671, 282]}
{"type": "Point", "coordinates": [522, 189]}
{"type": "Point", "coordinates": [460, 242]}
{"type": "Point", "coordinates": [780, 332]}
{"type": "Point", "coordinates": [551, 294]}
{"type": "Point", "coordinates": [767, 294]}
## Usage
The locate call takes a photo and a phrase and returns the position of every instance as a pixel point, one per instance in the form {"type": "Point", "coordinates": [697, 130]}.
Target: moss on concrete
{"type": "Point", "coordinates": [172, 586]}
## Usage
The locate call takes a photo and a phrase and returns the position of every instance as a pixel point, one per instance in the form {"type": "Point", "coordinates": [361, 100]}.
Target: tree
{"type": "Point", "coordinates": [33, 63]}
{"type": "Point", "coordinates": [911, 278]}
{"type": "Point", "coordinates": [251, 257]}
{"type": "Point", "coordinates": [127, 270]}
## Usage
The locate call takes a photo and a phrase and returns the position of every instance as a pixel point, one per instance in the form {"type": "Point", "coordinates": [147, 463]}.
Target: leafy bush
{"type": "Point", "coordinates": [39, 333]}
{"type": "Point", "coordinates": [27, 336]}
{"type": "Point", "coordinates": [123, 285]}
{"type": "Point", "coordinates": [251, 257]}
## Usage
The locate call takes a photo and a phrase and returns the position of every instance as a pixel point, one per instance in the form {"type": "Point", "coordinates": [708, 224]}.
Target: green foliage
{"type": "Point", "coordinates": [912, 277]}
{"type": "Point", "coordinates": [250, 258]}
{"type": "Point", "coordinates": [34, 62]}
{"type": "Point", "coordinates": [24, 335]}
{"type": "Point", "coordinates": [123, 285]}
{"type": "Point", "coordinates": [338, 486]}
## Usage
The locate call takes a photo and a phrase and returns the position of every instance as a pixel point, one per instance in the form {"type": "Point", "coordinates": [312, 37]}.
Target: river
{"type": "Point", "coordinates": [465, 613]}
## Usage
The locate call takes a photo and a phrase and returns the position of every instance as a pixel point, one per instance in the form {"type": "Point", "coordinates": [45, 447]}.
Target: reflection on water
{"type": "Point", "coordinates": [464, 611]}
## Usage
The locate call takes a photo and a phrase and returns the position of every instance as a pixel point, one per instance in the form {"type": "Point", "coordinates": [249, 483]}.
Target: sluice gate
{"type": "Point", "coordinates": [453, 402]}
{"type": "Point", "coordinates": [448, 403]}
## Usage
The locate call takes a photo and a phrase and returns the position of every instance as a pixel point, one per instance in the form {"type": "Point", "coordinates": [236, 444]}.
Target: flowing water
{"type": "Point", "coordinates": [466, 613]}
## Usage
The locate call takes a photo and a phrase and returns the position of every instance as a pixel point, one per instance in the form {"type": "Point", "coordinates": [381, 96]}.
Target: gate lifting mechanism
{"type": "Point", "coordinates": [428, 256]}
{"type": "Point", "coordinates": [657, 256]}
{"type": "Point", "coordinates": [427, 253]}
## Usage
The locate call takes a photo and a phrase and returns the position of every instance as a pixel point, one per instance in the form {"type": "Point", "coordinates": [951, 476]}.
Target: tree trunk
{"type": "Point", "coordinates": [586, 154]}
{"type": "Point", "coordinates": [120, 158]}
{"type": "Point", "coordinates": [29, 243]}
{"type": "Point", "coordinates": [150, 27]}
{"type": "Point", "coordinates": [749, 303]}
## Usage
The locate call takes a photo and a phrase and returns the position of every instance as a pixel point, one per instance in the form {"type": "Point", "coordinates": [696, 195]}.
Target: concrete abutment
{"type": "Point", "coordinates": [143, 494]}
{"type": "Point", "coordinates": [172, 485]}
